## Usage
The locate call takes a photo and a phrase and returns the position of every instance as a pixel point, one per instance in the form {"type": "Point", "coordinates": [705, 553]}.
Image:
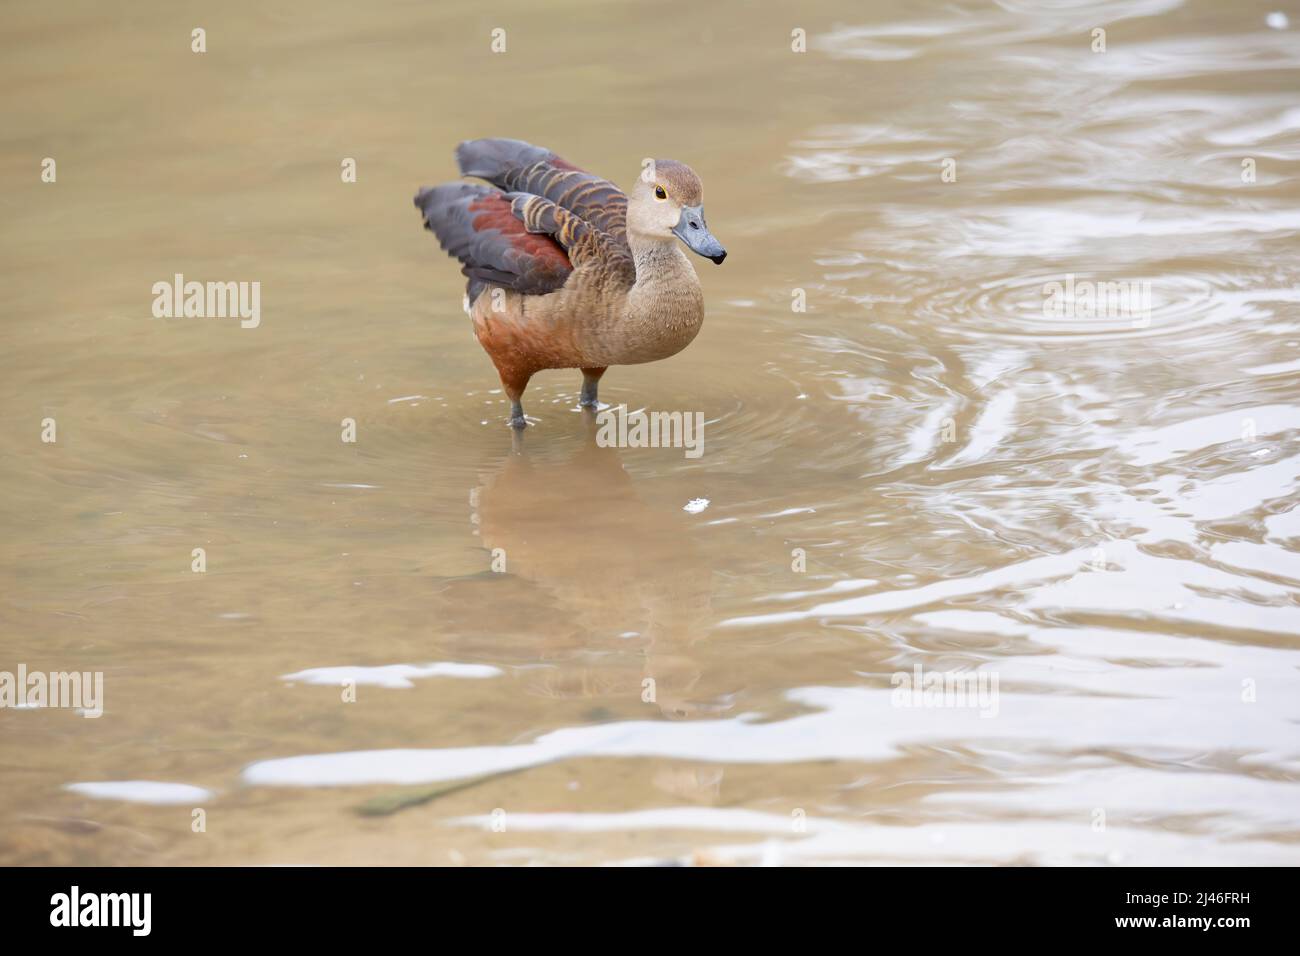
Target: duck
{"type": "Point", "coordinates": [566, 270]}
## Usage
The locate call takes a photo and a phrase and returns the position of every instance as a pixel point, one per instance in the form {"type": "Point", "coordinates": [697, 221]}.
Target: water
{"type": "Point", "coordinates": [1098, 510]}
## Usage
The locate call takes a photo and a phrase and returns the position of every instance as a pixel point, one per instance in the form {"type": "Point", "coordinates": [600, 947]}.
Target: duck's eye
{"type": "Point", "coordinates": [660, 193]}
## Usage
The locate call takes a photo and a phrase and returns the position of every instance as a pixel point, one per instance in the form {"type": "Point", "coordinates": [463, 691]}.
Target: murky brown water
{"type": "Point", "coordinates": [1099, 511]}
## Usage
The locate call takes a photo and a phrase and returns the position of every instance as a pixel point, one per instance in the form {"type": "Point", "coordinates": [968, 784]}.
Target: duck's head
{"type": "Point", "coordinates": [668, 201]}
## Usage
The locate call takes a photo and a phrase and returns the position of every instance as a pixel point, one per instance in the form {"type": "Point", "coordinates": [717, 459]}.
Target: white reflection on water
{"type": "Point", "coordinates": [852, 723]}
{"type": "Point", "coordinates": [829, 841]}
{"type": "Point", "coordinates": [142, 791]}
{"type": "Point", "coordinates": [390, 675]}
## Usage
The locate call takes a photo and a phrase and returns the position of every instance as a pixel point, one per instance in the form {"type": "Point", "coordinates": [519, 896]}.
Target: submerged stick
{"type": "Point", "coordinates": [407, 797]}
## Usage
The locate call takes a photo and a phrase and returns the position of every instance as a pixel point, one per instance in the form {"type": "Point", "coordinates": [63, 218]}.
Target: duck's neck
{"type": "Point", "coordinates": [667, 287]}
{"type": "Point", "coordinates": [665, 306]}
{"type": "Point", "coordinates": [657, 258]}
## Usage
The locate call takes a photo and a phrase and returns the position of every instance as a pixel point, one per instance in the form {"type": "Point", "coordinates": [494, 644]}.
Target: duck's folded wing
{"type": "Point", "coordinates": [583, 243]}
{"type": "Point", "coordinates": [478, 226]}
{"type": "Point", "coordinates": [516, 166]}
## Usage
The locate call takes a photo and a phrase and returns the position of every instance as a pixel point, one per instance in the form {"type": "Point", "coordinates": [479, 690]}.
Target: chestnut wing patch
{"type": "Point", "coordinates": [477, 225]}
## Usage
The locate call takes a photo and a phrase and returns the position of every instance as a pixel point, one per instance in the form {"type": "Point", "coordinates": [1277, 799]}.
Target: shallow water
{"type": "Point", "coordinates": [925, 468]}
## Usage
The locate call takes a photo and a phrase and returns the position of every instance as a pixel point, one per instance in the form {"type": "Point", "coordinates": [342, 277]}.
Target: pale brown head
{"type": "Point", "coordinates": [668, 201]}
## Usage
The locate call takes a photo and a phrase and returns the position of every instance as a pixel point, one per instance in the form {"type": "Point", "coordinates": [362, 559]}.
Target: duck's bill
{"type": "Point", "coordinates": [692, 231]}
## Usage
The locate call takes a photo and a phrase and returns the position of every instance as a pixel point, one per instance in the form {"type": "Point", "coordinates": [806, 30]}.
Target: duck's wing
{"type": "Point", "coordinates": [520, 167]}
{"type": "Point", "coordinates": [478, 225]}
{"type": "Point", "coordinates": [583, 243]}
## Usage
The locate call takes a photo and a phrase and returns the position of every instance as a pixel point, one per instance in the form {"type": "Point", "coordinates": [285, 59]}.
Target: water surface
{"type": "Point", "coordinates": [923, 468]}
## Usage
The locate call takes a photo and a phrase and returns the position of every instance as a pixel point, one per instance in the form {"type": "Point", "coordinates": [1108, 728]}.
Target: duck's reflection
{"type": "Point", "coordinates": [630, 586]}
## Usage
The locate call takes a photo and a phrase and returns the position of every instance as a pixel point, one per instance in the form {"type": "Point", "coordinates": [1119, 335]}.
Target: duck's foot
{"type": "Point", "coordinates": [517, 420]}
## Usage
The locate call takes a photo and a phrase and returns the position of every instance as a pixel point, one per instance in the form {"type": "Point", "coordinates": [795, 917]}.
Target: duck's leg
{"type": "Point", "coordinates": [514, 383]}
{"type": "Point", "coordinates": [590, 379]}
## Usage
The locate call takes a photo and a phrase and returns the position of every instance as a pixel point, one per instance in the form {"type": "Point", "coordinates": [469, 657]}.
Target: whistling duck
{"type": "Point", "coordinates": [567, 271]}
